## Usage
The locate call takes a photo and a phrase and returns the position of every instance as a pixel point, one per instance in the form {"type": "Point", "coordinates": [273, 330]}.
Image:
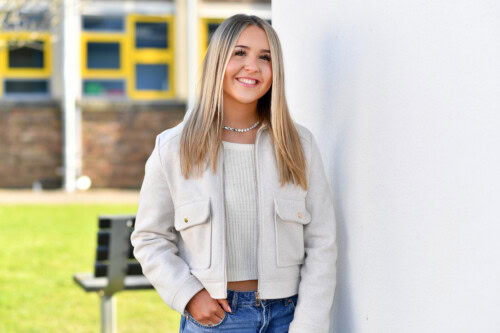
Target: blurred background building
{"type": "Point", "coordinates": [85, 86]}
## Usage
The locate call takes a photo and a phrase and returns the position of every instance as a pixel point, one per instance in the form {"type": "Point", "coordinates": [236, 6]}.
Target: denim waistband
{"type": "Point", "coordinates": [237, 298]}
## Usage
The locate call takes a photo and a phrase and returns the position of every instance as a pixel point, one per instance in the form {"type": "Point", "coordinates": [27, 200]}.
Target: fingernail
{"type": "Point", "coordinates": [229, 308]}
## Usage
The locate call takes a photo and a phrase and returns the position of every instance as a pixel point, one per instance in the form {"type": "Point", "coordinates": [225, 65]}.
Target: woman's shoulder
{"type": "Point", "coordinates": [170, 135]}
{"type": "Point", "coordinates": [304, 132]}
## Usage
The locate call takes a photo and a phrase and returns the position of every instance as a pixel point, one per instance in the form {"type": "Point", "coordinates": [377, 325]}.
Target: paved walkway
{"type": "Point", "coordinates": [58, 196]}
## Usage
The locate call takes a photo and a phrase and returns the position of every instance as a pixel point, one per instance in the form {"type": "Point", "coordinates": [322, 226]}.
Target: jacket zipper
{"type": "Point", "coordinates": [221, 166]}
{"type": "Point", "coordinates": [259, 220]}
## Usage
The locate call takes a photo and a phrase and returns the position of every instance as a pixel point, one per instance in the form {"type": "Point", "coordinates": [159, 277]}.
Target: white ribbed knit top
{"type": "Point", "coordinates": [240, 189]}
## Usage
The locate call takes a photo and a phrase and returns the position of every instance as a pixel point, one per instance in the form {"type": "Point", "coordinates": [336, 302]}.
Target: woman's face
{"type": "Point", "coordinates": [249, 73]}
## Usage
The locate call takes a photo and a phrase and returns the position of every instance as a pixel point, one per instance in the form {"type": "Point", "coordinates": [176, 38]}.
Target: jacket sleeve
{"type": "Point", "coordinates": [155, 239]}
{"type": "Point", "coordinates": [318, 272]}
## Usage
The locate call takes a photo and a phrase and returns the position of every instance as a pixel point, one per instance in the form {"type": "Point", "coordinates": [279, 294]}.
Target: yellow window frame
{"type": "Point", "coordinates": [140, 56]}
{"type": "Point", "coordinates": [25, 73]}
{"type": "Point", "coordinates": [97, 37]}
{"type": "Point", "coordinates": [203, 31]}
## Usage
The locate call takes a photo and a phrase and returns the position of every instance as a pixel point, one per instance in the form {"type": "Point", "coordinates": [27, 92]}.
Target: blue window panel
{"type": "Point", "coordinates": [104, 88]}
{"type": "Point", "coordinates": [26, 87]}
{"type": "Point", "coordinates": [30, 56]}
{"type": "Point", "coordinates": [103, 23]}
{"type": "Point", "coordinates": [103, 55]}
{"type": "Point", "coordinates": [151, 35]}
{"type": "Point", "coordinates": [152, 77]}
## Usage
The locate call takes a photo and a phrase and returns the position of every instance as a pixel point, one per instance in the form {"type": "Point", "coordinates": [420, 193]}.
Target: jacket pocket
{"type": "Point", "coordinates": [290, 217]}
{"type": "Point", "coordinates": [193, 221]}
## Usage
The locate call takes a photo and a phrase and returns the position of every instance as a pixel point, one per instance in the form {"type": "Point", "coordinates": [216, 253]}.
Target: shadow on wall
{"type": "Point", "coordinates": [339, 64]}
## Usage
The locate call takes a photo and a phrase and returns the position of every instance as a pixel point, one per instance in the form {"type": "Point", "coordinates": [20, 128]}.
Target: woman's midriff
{"type": "Point", "coordinates": [247, 285]}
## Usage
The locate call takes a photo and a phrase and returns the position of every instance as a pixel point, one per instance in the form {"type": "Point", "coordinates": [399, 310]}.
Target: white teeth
{"type": "Point", "coordinates": [247, 81]}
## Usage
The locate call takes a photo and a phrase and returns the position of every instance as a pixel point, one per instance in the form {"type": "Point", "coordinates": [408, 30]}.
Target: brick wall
{"type": "Point", "coordinates": [118, 139]}
{"type": "Point", "coordinates": [30, 144]}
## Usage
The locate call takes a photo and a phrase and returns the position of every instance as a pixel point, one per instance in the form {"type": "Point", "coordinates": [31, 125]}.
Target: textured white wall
{"type": "Point", "coordinates": [404, 97]}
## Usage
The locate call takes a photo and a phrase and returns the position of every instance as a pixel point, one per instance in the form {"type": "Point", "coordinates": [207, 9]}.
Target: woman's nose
{"type": "Point", "coordinates": [251, 65]}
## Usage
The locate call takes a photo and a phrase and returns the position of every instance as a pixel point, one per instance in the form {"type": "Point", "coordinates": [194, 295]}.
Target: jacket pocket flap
{"type": "Point", "coordinates": [292, 210]}
{"type": "Point", "coordinates": [192, 213]}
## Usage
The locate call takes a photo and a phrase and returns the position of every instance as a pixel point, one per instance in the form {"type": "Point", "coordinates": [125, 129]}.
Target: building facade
{"type": "Point", "coordinates": [133, 60]}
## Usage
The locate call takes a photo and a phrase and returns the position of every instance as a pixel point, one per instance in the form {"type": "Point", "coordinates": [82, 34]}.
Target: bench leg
{"type": "Point", "coordinates": [108, 314]}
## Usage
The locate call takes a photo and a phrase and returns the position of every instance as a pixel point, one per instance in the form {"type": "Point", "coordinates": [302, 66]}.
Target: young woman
{"type": "Point", "coordinates": [236, 227]}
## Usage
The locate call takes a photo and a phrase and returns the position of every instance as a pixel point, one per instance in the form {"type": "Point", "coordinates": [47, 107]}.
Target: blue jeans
{"type": "Point", "coordinates": [270, 316]}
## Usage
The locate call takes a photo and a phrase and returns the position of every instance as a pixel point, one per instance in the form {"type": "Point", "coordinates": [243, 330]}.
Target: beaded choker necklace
{"type": "Point", "coordinates": [242, 129]}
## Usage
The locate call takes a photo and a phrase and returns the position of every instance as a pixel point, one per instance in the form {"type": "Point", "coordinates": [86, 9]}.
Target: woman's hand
{"type": "Point", "coordinates": [207, 310]}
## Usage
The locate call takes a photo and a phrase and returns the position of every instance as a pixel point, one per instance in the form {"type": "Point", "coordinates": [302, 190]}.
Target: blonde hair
{"type": "Point", "coordinates": [201, 136]}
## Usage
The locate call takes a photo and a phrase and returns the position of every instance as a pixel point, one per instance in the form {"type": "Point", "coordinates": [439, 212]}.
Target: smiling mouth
{"type": "Point", "coordinates": [247, 82]}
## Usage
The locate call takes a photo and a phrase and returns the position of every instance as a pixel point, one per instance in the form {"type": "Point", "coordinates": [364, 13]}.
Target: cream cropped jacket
{"type": "Point", "coordinates": [179, 235]}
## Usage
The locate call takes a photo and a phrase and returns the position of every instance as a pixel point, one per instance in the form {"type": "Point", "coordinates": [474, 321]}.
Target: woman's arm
{"type": "Point", "coordinates": [317, 284]}
{"type": "Point", "coordinates": [155, 239]}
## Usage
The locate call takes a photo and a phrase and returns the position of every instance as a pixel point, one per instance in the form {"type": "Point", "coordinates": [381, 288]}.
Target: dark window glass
{"type": "Point", "coordinates": [26, 87]}
{"type": "Point", "coordinates": [151, 35]}
{"type": "Point", "coordinates": [101, 23]}
{"type": "Point", "coordinates": [103, 55]}
{"type": "Point", "coordinates": [152, 77]}
{"type": "Point", "coordinates": [211, 29]}
{"type": "Point", "coordinates": [30, 56]}
{"type": "Point", "coordinates": [104, 88]}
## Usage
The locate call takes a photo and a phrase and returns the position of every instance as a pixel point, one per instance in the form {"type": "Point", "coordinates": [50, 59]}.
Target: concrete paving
{"type": "Point", "coordinates": [28, 196]}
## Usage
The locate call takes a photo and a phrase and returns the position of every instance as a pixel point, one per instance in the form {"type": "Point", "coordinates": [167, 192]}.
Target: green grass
{"type": "Point", "coordinates": [41, 247]}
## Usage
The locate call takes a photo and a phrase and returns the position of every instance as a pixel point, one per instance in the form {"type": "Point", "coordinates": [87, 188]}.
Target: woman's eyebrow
{"type": "Point", "coordinates": [246, 47]}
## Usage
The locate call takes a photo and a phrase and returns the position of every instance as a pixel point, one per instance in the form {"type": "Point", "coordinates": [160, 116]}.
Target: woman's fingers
{"type": "Point", "coordinates": [207, 310]}
{"type": "Point", "coordinates": [219, 312]}
{"type": "Point", "coordinates": [217, 315]}
{"type": "Point", "coordinates": [224, 304]}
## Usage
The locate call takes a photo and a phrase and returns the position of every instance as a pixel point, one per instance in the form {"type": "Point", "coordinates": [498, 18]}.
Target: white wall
{"type": "Point", "coordinates": [404, 97]}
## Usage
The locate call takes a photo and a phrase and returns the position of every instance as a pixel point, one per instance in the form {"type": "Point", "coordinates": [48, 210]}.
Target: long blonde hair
{"type": "Point", "coordinates": [201, 136]}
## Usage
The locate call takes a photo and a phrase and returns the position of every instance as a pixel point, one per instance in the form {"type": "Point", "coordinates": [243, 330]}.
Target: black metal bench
{"type": "Point", "coordinates": [115, 267]}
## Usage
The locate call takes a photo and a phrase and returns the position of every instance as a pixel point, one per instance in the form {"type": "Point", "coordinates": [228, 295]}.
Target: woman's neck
{"type": "Point", "coordinates": [239, 115]}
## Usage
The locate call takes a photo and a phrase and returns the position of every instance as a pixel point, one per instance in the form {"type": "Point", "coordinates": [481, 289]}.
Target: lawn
{"type": "Point", "coordinates": [41, 247]}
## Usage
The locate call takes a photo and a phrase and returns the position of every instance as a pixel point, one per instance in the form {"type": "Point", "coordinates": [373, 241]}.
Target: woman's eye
{"type": "Point", "coordinates": [266, 58]}
{"type": "Point", "coordinates": [239, 53]}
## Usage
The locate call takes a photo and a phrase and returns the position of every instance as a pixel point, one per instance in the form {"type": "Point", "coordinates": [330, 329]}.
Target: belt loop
{"type": "Point", "coordinates": [234, 302]}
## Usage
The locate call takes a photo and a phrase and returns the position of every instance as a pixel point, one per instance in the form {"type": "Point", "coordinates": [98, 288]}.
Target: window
{"type": "Point", "coordinates": [30, 56]}
{"type": "Point", "coordinates": [103, 55]}
{"type": "Point", "coordinates": [152, 77]}
{"type": "Point", "coordinates": [25, 65]}
{"type": "Point", "coordinates": [26, 87]}
{"type": "Point", "coordinates": [152, 57]}
{"type": "Point", "coordinates": [104, 88]}
{"type": "Point", "coordinates": [103, 23]}
{"type": "Point", "coordinates": [27, 19]}
{"type": "Point", "coordinates": [211, 29]}
{"type": "Point", "coordinates": [153, 35]}
{"type": "Point", "coordinates": [104, 49]}
{"type": "Point", "coordinates": [207, 29]}
{"type": "Point", "coordinates": [128, 57]}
